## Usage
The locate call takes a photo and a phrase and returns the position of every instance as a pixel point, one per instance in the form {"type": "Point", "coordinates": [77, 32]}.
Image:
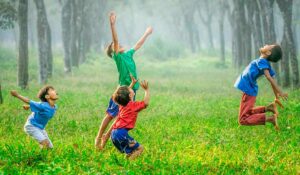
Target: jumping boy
{"type": "Point", "coordinates": [42, 112]}
{"type": "Point", "coordinates": [126, 120]}
{"type": "Point", "coordinates": [126, 68]}
{"type": "Point", "coordinates": [246, 82]}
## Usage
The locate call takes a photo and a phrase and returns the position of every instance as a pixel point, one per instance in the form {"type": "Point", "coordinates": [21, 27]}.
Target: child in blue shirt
{"type": "Point", "coordinates": [42, 112]}
{"type": "Point", "coordinates": [246, 82]}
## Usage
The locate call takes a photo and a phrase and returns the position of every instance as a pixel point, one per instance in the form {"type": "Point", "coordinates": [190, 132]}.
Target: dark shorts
{"type": "Point", "coordinates": [113, 109]}
{"type": "Point", "coordinates": [123, 142]}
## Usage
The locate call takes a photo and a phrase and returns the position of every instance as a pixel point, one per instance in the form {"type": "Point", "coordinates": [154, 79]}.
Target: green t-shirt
{"type": "Point", "coordinates": [126, 66]}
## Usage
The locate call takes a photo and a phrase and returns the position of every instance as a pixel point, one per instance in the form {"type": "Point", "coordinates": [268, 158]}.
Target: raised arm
{"type": "Point", "coordinates": [112, 19]}
{"type": "Point", "coordinates": [17, 95]}
{"type": "Point", "coordinates": [145, 86]}
{"type": "Point", "coordinates": [277, 92]}
{"type": "Point", "coordinates": [133, 81]}
{"type": "Point", "coordinates": [143, 38]}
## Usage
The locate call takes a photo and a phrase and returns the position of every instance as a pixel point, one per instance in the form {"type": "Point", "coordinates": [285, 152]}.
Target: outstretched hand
{"type": "Point", "coordinates": [133, 81]}
{"type": "Point", "coordinates": [149, 30]}
{"type": "Point", "coordinates": [144, 85]}
{"type": "Point", "coordinates": [284, 96]}
{"type": "Point", "coordinates": [112, 17]}
{"type": "Point", "coordinates": [104, 139]}
{"type": "Point", "coordinates": [14, 93]}
{"type": "Point", "coordinates": [98, 143]}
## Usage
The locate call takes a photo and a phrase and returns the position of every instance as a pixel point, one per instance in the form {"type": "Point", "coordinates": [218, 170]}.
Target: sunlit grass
{"type": "Point", "coordinates": [190, 126]}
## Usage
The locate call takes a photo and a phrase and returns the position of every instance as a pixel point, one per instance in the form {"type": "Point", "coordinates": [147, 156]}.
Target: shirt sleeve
{"type": "Point", "coordinates": [130, 52]}
{"type": "Point", "coordinates": [272, 72]}
{"type": "Point", "coordinates": [138, 106]}
{"type": "Point", "coordinates": [35, 106]}
{"type": "Point", "coordinates": [263, 64]}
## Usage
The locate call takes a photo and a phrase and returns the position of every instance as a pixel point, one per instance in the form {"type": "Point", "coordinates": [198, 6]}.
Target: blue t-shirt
{"type": "Point", "coordinates": [42, 112]}
{"type": "Point", "coordinates": [246, 82]}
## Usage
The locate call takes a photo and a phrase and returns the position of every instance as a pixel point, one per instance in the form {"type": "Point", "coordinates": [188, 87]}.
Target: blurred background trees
{"type": "Point", "coordinates": [232, 30]}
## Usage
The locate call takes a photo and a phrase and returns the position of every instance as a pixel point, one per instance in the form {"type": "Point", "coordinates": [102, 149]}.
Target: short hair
{"type": "Point", "coordinates": [276, 54]}
{"type": "Point", "coordinates": [43, 92]}
{"type": "Point", "coordinates": [121, 95]}
{"type": "Point", "coordinates": [109, 50]}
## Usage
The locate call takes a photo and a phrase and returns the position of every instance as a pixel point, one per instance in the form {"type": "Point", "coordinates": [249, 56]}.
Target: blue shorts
{"type": "Point", "coordinates": [113, 108]}
{"type": "Point", "coordinates": [123, 142]}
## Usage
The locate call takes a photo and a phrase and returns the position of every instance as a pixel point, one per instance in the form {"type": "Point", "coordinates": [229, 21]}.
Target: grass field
{"type": "Point", "coordinates": [190, 126]}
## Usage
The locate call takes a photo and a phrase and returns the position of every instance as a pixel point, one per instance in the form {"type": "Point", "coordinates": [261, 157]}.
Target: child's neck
{"type": "Point", "coordinates": [51, 103]}
{"type": "Point", "coordinates": [262, 55]}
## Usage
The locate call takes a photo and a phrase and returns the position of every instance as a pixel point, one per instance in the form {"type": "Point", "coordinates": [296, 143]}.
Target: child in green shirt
{"type": "Point", "coordinates": [126, 68]}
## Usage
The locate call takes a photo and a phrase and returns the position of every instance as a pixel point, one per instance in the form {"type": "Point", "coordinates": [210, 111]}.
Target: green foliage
{"type": "Point", "coordinates": [8, 14]}
{"type": "Point", "coordinates": [190, 126]}
{"type": "Point", "coordinates": [164, 50]}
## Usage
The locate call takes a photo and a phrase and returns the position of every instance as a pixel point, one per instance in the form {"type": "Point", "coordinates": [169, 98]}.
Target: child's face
{"type": "Point", "coordinates": [131, 94]}
{"type": "Point", "coordinates": [52, 95]}
{"type": "Point", "coordinates": [266, 49]}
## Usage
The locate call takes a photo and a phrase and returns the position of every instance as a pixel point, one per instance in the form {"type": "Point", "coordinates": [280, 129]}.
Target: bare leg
{"type": "Point", "coordinates": [272, 108]}
{"type": "Point", "coordinates": [273, 120]}
{"type": "Point", "coordinates": [102, 128]}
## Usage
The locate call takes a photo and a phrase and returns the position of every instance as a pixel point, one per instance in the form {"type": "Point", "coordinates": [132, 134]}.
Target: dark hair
{"type": "Point", "coordinates": [121, 95]}
{"type": "Point", "coordinates": [109, 50]}
{"type": "Point", "coordinates": [276, 54]}
{"type": "Point", "coordinates": [43, 92]}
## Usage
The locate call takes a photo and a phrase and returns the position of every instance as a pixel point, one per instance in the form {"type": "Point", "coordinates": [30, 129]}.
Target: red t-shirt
{"type": "Point", "coordinates": [128, 114]}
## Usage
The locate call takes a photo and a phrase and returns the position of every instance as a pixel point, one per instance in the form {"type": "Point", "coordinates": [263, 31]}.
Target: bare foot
{"type": "Point", "coordinates": [135, 153]}
{"type": "Point", "coordinates": [272, 108]}
{"type": "Point", "coordinates": [277, 101]}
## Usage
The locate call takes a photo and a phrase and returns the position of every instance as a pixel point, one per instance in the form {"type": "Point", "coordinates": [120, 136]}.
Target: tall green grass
{"type": "Point", "coordinates": [190, 126]}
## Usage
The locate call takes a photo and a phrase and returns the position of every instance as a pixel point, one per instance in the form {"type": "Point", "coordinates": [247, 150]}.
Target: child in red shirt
{"type": "Point", "coordinates": [126, 120]}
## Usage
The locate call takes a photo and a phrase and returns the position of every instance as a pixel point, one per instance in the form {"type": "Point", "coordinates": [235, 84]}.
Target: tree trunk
{"type": "Point", "coordinates": [23, 44]}
{"type": "Point", "coordinates": [255, 21]}
{"type": "Point", "coordinates": [44, 41]}
{"type": "Point", "coordinates": [240, 34]}
{"type": "Point", "coordinates": [285, 68]}
{"type": "Point", "coordinates": [221, 28]}
{"type": "Point", "coordinates": [207, 20]}
{"type": "Point", "coordinates": [246, 29]}
{"type": "Point", "coordinates": [31, 21]}
{"type": "Point", "coordinates": [66, 34]}
{"type": "Point", "coordinates": [49, 51]}
{"type": "Point", "coordinates": [286, 7]}
{"type": "Point", "coordinates": [74, 34]}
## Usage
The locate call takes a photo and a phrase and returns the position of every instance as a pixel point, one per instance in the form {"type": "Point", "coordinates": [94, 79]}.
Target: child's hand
{"type": "Point", "coordinates": [26, 107]}
{"type": "Point", "coordinates": [14, 93]}
{"type": "Point", "coordinates": [144, 85]}
{"type": "Point", "coordinates": [104, 139]}
{"type": "Point", "coordinates": [112, 17]}
{"type": "Point", "coordinates": [149, 30]}
{"type": "Point", "coordinates": [133, 81]}
{"type": "Point", "coordinates": [284, 96]}
{"type": "Point", "coordinates": [98, 143]}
